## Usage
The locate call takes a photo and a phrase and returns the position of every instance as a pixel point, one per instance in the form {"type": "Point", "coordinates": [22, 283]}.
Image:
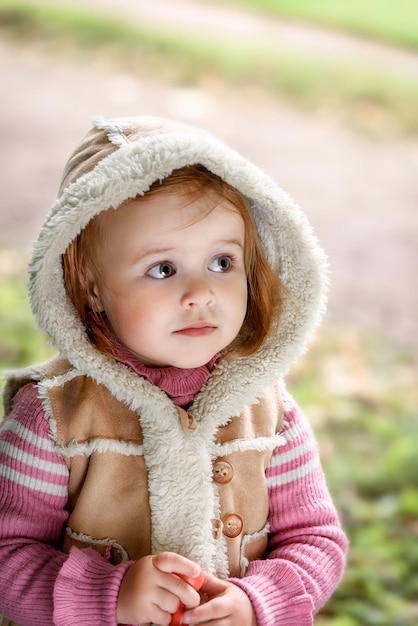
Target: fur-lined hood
{"type": "Point", "coordinates": [119, 159]}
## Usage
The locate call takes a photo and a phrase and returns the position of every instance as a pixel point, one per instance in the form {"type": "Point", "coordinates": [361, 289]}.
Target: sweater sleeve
{"type": "Point", "coordinates": [306, 553]}
{"type": "Point", "coordinates": [39, 584]}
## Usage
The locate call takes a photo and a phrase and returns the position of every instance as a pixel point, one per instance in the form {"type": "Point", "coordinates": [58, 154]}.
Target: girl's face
{"type": "Point", "coordinates": [171, 277]}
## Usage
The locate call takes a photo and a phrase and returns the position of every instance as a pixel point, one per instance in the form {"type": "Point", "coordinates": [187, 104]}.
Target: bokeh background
{"type": "Point", "coordinates": [323, 95]}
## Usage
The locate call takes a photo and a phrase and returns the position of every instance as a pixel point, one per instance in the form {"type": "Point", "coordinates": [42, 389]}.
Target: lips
{"type": "Point", "coordinates": [198, 329]}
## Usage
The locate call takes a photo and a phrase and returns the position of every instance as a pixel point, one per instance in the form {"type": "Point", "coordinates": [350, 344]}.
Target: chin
{"type": "Point", "coordinates": [189, 363]}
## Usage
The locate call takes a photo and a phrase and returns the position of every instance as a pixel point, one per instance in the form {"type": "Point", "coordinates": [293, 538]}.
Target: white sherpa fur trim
{"type": "Point", "coordinates": [48, 412]}
{"type": "Point", "coordinates": [98, 542]}
{"type": "Point", "coordinates": [113, 131]}
{"type": "Point", "coordinates": [74, 448]}
{"type": "Point", "coordinates": [247, 539]}
{"type": "Point", "coordinates": [179, 464]}
{"type": "Point", "coordinates": [59, 381]}
{"type": "Point", "coordinates": [243, 445]}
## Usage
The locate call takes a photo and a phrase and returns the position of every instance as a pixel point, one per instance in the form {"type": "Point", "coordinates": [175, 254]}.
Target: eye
{"type": "Point", "coordinates": [220, 264]}
{"type": "Point", "coordinates": [162, 270]}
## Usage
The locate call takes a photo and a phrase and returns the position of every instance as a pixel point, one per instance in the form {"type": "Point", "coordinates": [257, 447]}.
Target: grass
{"type": "Point", "coordinates": [20, 342]}
{"type": "Point", "coordinates": [385, 21]}
{"type": "Point", "coordinates": [372, 99]}
{"type": "Point", "coordinates": [361, 396]}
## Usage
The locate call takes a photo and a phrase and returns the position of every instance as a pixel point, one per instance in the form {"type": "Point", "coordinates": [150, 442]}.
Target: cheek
{"type": "Point", "coordinates": [236, 297]}
{"type": "Point", "coordinates": [135, 315]}
{"type": "Point", "coordinates": [242, 293]}
{"type": "Point", "coordinates": [123, 316]}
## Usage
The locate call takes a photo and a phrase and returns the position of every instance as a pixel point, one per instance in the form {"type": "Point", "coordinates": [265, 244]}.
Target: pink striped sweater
{"type": "Point", "coordinates": [39, 585]}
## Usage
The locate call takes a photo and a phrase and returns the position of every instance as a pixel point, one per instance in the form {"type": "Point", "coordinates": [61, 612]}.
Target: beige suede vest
{"type": "Point", "coordinates": [109, 498]}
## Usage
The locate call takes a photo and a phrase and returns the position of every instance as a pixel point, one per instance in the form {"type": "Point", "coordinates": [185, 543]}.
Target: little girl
{"type": "Point", "coordinates": [178, 283]}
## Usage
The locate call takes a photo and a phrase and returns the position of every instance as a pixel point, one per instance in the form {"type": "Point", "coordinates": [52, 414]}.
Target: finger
{"type": "Point", "coordinates": [212, 586]}
{"type": "Point", "coordinates": [183, 591]}
{"type": "Point", "coordinates": [207, 612]}
{"type": "Point", "coordinates": [167, 601]}
{"type": "Point", "coordinates": [172, 563]}
{"type": "Point", "coordinates": [196, 582]}
{"type": "Point", "coordinates": [178, 590]}
{"type": "Point", "coordinates": [160, 615]}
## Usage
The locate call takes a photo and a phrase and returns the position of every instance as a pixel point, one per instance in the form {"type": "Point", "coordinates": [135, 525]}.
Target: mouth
{"type": "Point", "coordinates": [198, 329]}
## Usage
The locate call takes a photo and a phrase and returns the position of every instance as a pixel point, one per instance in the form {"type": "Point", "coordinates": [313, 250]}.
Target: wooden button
{"type": "Point", "coordinates": [217, 528]}
{"type": "Point", "coordinates": [232, 525]}
{"type": "Point", "coordinates": [222, 472]}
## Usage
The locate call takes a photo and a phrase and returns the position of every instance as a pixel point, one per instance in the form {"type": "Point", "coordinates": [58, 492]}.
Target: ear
{"type": "Point", "coordinates": [94, 299]}
{"type": "Point", "coordinates": [93, 293]}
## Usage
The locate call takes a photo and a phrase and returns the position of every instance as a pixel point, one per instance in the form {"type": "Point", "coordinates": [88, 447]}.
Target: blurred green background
{"type": "Point", "coordinates": [358, 384]}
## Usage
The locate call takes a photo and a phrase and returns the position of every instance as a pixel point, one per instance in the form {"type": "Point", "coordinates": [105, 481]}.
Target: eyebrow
{"type": "Point", "coordinates": [233, 241]}
{"type": "Point", "coordinates": [163, 251]}
{"type": "Point", "coordinates": [146, 252]}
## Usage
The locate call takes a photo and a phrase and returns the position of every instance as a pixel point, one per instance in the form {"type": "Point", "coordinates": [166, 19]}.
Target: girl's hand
{"type": "Point", "coordinates": [151, 591]}
{"type": "Point", "coordinates": [227, 605]}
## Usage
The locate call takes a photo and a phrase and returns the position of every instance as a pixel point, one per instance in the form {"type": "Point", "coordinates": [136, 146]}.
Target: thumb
{"type": "Point", "coordinates": [212, 585]}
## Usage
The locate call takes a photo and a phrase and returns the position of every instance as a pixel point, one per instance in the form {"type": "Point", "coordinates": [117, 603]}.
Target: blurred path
{"type": "Point", "coordinates": [360, 195]}
{"type": "Point", "coordinates": [232, 23]}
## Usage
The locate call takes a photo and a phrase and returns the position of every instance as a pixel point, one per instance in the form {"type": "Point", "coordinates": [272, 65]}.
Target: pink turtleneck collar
{"type": "Point", "coordinates": [181, 385]}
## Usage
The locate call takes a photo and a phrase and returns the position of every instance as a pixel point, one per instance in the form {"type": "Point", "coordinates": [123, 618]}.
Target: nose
{"type": "Point", "coordinates": [197, 292]}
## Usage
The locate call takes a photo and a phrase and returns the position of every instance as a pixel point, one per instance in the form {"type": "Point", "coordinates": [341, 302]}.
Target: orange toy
{"type": "Point", "coordinates": [196, 582]}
